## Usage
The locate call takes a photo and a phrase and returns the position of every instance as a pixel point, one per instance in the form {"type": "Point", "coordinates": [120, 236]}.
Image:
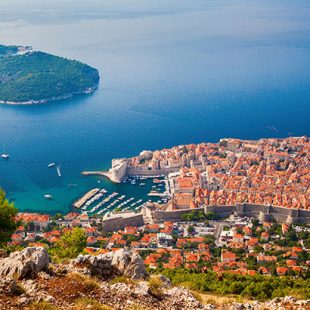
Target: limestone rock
{"type": "Point", "coordinates": [25, 264]}
{"type": "Point", "coordinates": [182, 298]}
{"type": "Point", "coordinates": [111, 264]}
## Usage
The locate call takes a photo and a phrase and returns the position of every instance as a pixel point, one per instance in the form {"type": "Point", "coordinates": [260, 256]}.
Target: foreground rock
{"type": "Point", "coordinates": [25, 264]}
{"type": "Point", "coordinates": [109, 265]}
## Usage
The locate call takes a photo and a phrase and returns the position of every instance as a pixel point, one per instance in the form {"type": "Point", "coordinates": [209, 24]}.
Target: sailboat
{"type": "Point", "coordinates": [5, 155]}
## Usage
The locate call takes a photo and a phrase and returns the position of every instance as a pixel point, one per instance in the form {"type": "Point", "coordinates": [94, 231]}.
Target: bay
{"type": "Point", "coordinates": [172, 72]}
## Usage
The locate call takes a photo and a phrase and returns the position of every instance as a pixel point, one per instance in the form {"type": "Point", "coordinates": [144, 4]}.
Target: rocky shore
{"type": "Point", "coordinates": [108, 281]}
{"type": "Point", "coordinates": [52, 99]}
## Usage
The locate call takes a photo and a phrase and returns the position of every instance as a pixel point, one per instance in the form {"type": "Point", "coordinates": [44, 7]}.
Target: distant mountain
{"type": "Point", "coordinates": [31, 77]}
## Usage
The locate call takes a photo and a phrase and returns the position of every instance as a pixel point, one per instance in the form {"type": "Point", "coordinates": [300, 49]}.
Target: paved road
{"type": "Point", "coordinates": [219, 226]}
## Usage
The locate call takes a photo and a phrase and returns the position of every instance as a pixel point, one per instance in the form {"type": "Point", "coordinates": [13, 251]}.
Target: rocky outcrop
{"type": "Point", "coordinates": [25, 264]}
{"type": "Point", "coordinates": [111, 264]}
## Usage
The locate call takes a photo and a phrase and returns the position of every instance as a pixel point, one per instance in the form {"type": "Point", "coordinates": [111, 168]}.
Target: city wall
{"type": "Point", "coordinates": [171, 216]}
{"type": "Point", "coordinates": [263, 213]}
{"type": "Point", "coordinates": [119, 222]}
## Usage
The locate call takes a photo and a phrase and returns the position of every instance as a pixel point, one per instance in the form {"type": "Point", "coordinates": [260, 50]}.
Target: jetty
{"type": "Point", "coordinates": [79, 203]}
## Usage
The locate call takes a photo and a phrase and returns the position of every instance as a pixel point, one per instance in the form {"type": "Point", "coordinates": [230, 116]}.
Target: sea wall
{"type": "Point", "coordinates": [120, 222]}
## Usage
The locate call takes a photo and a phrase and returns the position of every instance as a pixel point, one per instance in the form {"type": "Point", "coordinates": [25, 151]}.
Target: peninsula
{"type": "Point", "coordinates": [34, 77]}
{"type": "Point", "coordinates": [267, 172]}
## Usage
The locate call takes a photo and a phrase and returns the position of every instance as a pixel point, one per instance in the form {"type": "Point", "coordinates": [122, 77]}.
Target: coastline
{"type": "Point", "coordinates": [87, 91]}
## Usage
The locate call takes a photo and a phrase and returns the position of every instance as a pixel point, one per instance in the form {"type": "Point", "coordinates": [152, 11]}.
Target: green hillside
{"type": "Point", "coordinates": [38, 76]}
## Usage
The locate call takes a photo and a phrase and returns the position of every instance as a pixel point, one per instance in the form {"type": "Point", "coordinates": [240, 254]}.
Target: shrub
{"type": "Point", "coordinates": [155, 287]}
{"type": "Point", "coordinates": [88, 282]}
{"type": "Point", "coordinates": [16, 289]}
{"type": "Point", "coordinates": [121, 279]}
{"type": "Point", "coordinates": [70, 244]}
{"type": "Point", "coordinates": [42, 305]}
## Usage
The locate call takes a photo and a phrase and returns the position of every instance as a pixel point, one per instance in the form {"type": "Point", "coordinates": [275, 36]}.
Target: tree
{"type": "Point", "coordinates": [190, 229]}
{"type": "Point", "coordinates": [71, 243]}
{"type": "Point", "coordinates": [8, 223]}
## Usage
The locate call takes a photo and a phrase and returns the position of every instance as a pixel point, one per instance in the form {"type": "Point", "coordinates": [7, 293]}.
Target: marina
{"type": "Point", "coordinates": [101, 202]}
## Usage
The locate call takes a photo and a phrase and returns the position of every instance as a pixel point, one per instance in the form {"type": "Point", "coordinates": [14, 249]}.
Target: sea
{"type": "Point", "coordinates": [172, 72]}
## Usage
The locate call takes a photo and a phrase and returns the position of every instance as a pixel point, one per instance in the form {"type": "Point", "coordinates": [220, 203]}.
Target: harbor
{"type": "Point", "coordinates": [101, 202]}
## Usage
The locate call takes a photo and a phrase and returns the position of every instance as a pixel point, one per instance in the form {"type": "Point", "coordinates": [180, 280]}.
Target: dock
{"type": "Point", "coordinates": [79, 203]}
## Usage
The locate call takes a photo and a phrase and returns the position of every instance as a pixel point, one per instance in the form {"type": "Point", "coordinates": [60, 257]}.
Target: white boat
{"type": "Point", "coordinates": [48, 197]}
{"type": "Point", "coordinates": [58, 171]}
{"type": "Point", "coordinates": [51, 165]}
{"type": "Point", "coordinates": [5, 156]}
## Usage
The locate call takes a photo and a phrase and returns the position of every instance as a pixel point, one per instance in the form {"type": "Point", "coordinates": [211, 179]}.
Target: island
{"type": "Point", "coordinates": [34, 77]}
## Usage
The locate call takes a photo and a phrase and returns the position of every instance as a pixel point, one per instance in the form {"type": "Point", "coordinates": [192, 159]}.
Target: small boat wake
{"type": "Point", "coordinates": [58, 171]}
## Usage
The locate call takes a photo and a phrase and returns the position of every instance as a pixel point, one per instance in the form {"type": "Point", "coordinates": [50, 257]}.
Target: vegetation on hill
{"type": "Point", "coordinates": [257, 287]}
{"type": "Point", "coordinates": [7, 219]}
{"type": "Point", "coordinates": [37, 76]}
{"type": "Point", "coordinates": [6, 50]}
{"type": "Point", "coordinates": [70, 244]}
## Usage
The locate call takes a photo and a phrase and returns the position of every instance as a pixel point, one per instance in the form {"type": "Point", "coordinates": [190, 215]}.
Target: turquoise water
{"type": "Point", "coordinates": [172, 72]}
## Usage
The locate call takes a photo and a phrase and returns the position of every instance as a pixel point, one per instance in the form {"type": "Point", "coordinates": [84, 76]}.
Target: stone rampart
{"type": "Point", "coordinates": [171, 216]}
{"type": "Point", "coordinates": [262, 212]}
{"type": "Point", "coordinates": [119, 222]}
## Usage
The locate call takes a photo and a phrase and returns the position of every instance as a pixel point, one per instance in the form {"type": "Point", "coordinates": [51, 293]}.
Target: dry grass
{"type": "Point", "coordinates": [88, 303]}
{"type": "Point", "coordinates": [197, 296]}
{"type": "Point", "coordinates": [42, 305]}
{"type": "Point", "coordinates": [218, 300]}
{"type": "Point", "coordinates": [122, 279]}
{"type": "Point", "coordinates": [88, 282]}
{"type": "Point", "coordinates": [137, 307]}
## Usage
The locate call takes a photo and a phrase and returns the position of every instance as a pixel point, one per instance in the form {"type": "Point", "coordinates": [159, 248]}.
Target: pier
{"type": "Point", "coordinates": [79, 203]}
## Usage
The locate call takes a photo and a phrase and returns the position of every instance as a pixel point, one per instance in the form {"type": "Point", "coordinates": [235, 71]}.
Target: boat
{"type": "Point", "coordinates": [51, 165]}
{"type": "Point", "coordinates": [5, 156]}
{"type": "Point", "coordinates": [48, 197]}
{"type": "Point", "coordinates": [58, 171]}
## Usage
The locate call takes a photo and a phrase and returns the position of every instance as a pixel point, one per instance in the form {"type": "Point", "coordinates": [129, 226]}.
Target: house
{"type": "Point", "coordinates": [251, 243]}
{"type": "Point", "coordinates": [91, 241]}
{"type": "Point", "coordinates": [191, 257]}
{"type": "Point", "coordinates": [39, 221]}
{"type": "Point", "coordinates": [71, 216]}
{"type": "Point", "coordinates": [247, 230]}
{"type": "Point", "coordinates": [135, 244]}
{"type": "Point", "coordinates": [90, 231]}
{"type": "Point", "coordinates": [130, 230]}
{"type": "Point", "coordinates": [17, 238]}
{"type": "Point", "coordinates": [266, 259]}
{"type": "Point", "coordinates": [227, 257]}
{"type": "Point", "coordinates": [264, 271]}
{"type": "Point", "coordinates": [152, 228]}
{"type": "Point", "coordinates": [281, 271]}
{"type": "Point", "coordinates": [264, 236]}
{"type": "Point", "coordinates": [238, 238]}
{"type": "Point", "coordinates": [164, 239]}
